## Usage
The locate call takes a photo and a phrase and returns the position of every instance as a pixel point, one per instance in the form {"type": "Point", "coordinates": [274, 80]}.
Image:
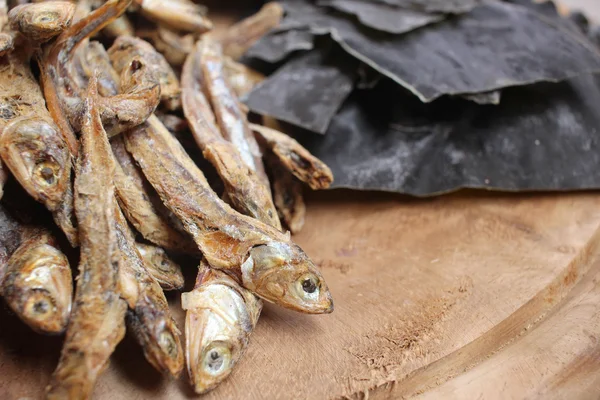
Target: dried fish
{"type": "Point", "coordinates": [123, 51]}
{"type": "Point", "coordinates": [278, 45]}
{"type": "Point", "coordinates": [241, 36]}
{"type": "Point", "coordinates": [261, 258]}
{"type": "Point", "coordinates": [11, 231]}
{"type": "Point", "coordinates": [538, 138]}
{"type": "Point", "coordinates": [97, 321]}
{"type": "Point", "coordinates": [172, 45]}
{"type": "Point", "coordinates": [384, 17]}
{"type": "Point", "coordinates": [241, 79]}
{"type": "Point", "coordinates": [141, 204]}
{"type": "Point", "coordinates": [31, 145]}
{"type": "Point", "coordinates": [247, 190]}
{"type": "Point", "coordinates": [295, 158]}
{"type": "Point", "coordinates": [149, 317]}
{"type": "Point", "coordinates": [38, 285]}
{"type": "Point", "coordinates": [6, 39]}
{"type": "Point", "coordinates": [162, 268]}
{"type": "Point", "coordinates": [219, 320]}
{"type": "Point", "coordinates": [287, 194]}
{"type": "Point", "coordinates": [179, 15]}
{"type": "Point", "coordinates": [307, 91]}
{"type": "Point", "coordinates": [453, 64]}
{"type": "Point", "coordinates": [40, 22]}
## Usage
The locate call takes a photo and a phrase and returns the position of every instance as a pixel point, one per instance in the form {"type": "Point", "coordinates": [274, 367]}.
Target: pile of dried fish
{"type": "Point", "coordinates": [425, 97]}
{"type": "Point", "coordinates": [98, 103]}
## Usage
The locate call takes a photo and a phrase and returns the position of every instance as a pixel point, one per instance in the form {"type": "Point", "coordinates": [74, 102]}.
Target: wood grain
{"type": "Point", "coordinates": [465, 296]}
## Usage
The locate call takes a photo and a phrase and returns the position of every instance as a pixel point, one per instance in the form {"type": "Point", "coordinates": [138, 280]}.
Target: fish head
{"type": "Point", "coordinates": [39, 288]}
{"type": "Point", "coordinates": [165, 270]}
{"type": "Point", "coordinates": [219, 320]}
{"type": "Point", "coordinates": [282, 273]}
{"type": "Point", "coordinates": [39, 158]}
{"type": "Point", "coordinates": [41, 22]}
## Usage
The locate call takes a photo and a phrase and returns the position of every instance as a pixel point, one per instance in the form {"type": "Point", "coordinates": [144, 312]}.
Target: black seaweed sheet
{"type": "Point", "coordinates": [308, 90]}
{"type": "Point", "coordinates": [445, 6]}
{"type": "Point", "coordinates": [494, 46]}
{"type": "Point", "coordinates": [384, 17]}
{"type": "Point", "coordinates": [541, 137]}
{"type": "Point", "coordinates": [278, 45]}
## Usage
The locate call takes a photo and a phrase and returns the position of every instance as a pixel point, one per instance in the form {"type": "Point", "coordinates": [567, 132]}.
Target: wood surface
{"type": "Point", "coordinates": [465, 296]}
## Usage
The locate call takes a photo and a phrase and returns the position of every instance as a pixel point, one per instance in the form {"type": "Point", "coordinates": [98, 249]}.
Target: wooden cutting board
{"type": "Point", "coordinates": [466, 296]}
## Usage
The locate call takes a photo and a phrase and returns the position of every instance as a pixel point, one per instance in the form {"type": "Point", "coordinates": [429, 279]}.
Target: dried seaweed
{"type": "Point", "coordinates": [463, 53]}
{"type": "Point", "coordinates": [541, 137]}
{"type": "Point", "coordinates": [384, 17]}
{"type": "Point", "coordinates": [308, 90]}
{"type": "Point", "coordinates": [446, 6]}
{"type": "Point", "coordinates": [278, 45]}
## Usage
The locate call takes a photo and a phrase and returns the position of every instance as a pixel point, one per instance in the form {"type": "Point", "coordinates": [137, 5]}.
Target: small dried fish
{"type": "Point", "coordinates": [287, 194]}
{"type": "Point", "coordinates": [141, 204]}
{"type": "Point", "coordinates": [11, 231]}
{"type": "Point", "coordinates": [219, 320]}
{"type": "Point", "coordinates": [384, 17]}
{"type": "Point", "coordinates": [241, 79]}
{"type": "Point", "coordinates": [179, 15]}
{"type": "Point", "coordinates": [38, 285]}
{"type": "Point", "coordinates": [261, 258]}
{"type": "Point", "coordinates": [6, 38]}
{"type": "Point", "coordinates": [174, 46]}
{"type": "Point", "coordinates": [40, 22]}
{"type": "Point", "coordinates": [31, 145]}
{"type": "Point", "coordinates": [97, 321]}
{"type": "Point", "coordinates": [246, 189]}
{"type": "Point", "coordinates": [299, 161]}
{"type": "Point", "coordinates": [123, 51]}
{"type": "Point", "coordinates": [162, 268]}
{"type": "Point", "coordinates": [241, 36]}
{"type": "Point", "coordinates": [149, 317]}
{"type": "Point", "coordinates": [308, 90]}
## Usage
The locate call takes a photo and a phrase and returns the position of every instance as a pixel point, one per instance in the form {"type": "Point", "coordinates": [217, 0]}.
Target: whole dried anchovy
{"type": "Point", "coordinates": [125, 48]}
{"type": "Point", "coordinates": [38, 285]}
{"type": "Point", "coordinates": [220, 317]}
{"type": "Point", "coordinates": [241, 36]}
{"type": "Point", "coordinates": [162, 268]}
{"type": "Point", "coordinates": [174, 46]}
{"type": "Point", "coordinates": [246, 189]}
{"type": "Point", "coordinates": [299, 161]}
{"type": "Point", "coordinates": [261, 258]}
{"type": "Point", "coordinates": [97, 321]}
{"type": "Point", "coordinates": [30, 143]}
{"type": "Point", "coordinates": [40, 22]}
{"type": "Point", "coordinates": [149, 317]}
{"type": "Point", "coordinates": [180, 15]}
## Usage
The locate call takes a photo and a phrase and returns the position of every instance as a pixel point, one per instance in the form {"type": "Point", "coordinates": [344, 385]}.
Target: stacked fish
{"type": "Point", "coordinates": [429, 96]}
{"type": "Point", "coordinates": [101, 138]}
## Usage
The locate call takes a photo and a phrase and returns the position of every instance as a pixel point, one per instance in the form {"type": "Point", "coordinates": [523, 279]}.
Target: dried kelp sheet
{"type": "Point", "coordinates": [541, 137]}
{"type": "Point", "coordinates": [444, 6]}
{"type": "Point", "coordinates": [494, 46]}
{"type": "Point", "coordinates": [278, 45]}
{"type": "Point", "coordinates": [384, 17]}
{"type": "Point", "coordinates": [307, 91]}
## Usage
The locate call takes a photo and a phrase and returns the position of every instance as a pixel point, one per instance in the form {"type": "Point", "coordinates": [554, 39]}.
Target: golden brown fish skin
{"type": "Point", "coordinates": [125, 48]}
{"type": "Point", "coordinates": [179, 15]}
{"type": "Point", "coordinates": [174, 46]}
{"type": "Point", "coordinates": [63, 95]}
{"type": "Point", "coordinates": [149, 317]}
{"type": "Point", "coordinates": [241, 78]}
{"type": "Point", "coordinates": [227, 108]}
{"type": "Point", "coordinates": [260, 257]}
{"type": "Point", "coordinates": [142, 207]}
{"type": "Point", "coordinates": [295, 157]}
{"type": "Point", "coordinates": [162, 268]}
{"type": "Point", "coordinates": [97, 321]}
{"type": "Point", "coordinates": [40, 22]}
{"type": "Point", "coordinates": [248, 190]}
{"type": "Point", "coordinates": [241, 36]}
{"type": "Point", "coordinates": [287, 194]}
{"type": "Point", "coordinates": [219, 320]}
{"type": "Point", "coordinates": [38, 285]}
{"type": "Point", "coordinates": [90, 58]}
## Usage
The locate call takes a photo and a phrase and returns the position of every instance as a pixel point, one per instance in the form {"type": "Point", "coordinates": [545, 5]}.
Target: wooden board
{"type": "Point", "coordinates": [465, 296]}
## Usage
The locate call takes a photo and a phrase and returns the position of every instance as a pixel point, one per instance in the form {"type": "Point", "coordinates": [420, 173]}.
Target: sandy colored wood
{"type": "Point", "coordinates": [470, 296]}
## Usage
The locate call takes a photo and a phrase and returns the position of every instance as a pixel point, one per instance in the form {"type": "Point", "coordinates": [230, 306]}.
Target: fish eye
{"type": "Point", "coordinates": [45, 17]}
{"type": "Point", "coordinates": [46, 173]}
{"type": "Point", "coordinates": [217, 360]}
{"type": "Point", "coordinates": [309, 285]}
